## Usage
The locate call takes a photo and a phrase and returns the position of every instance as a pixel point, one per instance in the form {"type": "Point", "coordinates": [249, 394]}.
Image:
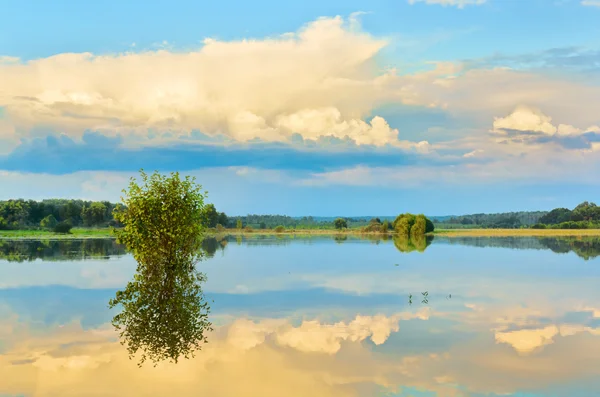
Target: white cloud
{"type": "Point", "coordinates": [482, 94]}
{"type": "Point", "coordinates": [525, 119]}
{"type": "Point", "coordinates": [529, 120]}
{"type": "Point", "coordinates": [312, 335]}
{"type": "Point", "coordinates": [455, 3]}
{"type": "Point", "coordinates": [591, 3]}
{"type": "Point", "coordinates": [527, 341]}
{"type": "Point", "coordinates": [320, 81]}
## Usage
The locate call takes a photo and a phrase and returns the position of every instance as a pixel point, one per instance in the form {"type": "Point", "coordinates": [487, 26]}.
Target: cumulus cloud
{"type": "Point", "coordinates": [312, 335]}
{"type": "Point", "coordinates": [455, 3]}
{"type": "Point", "coordinates": [484, 93]}
{"type": "Point", "coordinates": [526, 124]}
{"type": "Point", "coordinates": [527, 341]}
{"type": "Point", "coordinates": [526, 120]}
{"type": "Point", "coordinates": [320, 81]}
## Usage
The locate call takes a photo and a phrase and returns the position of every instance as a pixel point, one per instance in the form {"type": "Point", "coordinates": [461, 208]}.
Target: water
{"type": "Point", "coordinates": [318, 317]}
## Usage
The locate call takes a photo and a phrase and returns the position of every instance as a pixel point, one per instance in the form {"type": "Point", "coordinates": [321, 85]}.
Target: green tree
{"type": "Point", "coordinates": [163, 309]}
{"type": "Point", "coordinates": [63, 228]}
{"type": "Point", "coordinates": [48, 222]}
{"type": "Point", "coordinates": [384, 227]}
{"type": "Point", "coordinates": [94, 214]}
{"type": "Point", "coordinates": [403, 223]}
{"type": "Point", "coordinates": [239, 224]}
{"type": "Point", "coordinates": [340, 223]}
{"type": "Point", "coordinates": [210, 215]}
{"type": "Point", "coordinates": [429, 226]}
{"type": "Point", "coordinates": [418, 229]}
{"type": "Point", "coordinates": [222, 220]}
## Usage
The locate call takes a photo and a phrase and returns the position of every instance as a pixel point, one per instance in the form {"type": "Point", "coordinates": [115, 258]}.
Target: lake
{"type": "Point", "coordinates": [318, 316]}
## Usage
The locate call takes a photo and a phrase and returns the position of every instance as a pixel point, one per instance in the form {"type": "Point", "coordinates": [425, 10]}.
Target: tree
{"type": "Point", "coordinates": [63, 228]}
{"type": "Point", "coordinates": [48, 222]}
{"type": "Point", "coordinates": [210, 215]}
{"type": "Point", "coordinates": [164, 313]}
{"type": "Point", "coordinates": [384, 227]}
{"type": "Point", "coordinates": [429, 226]}
{"type": "Point", "coordinates": [557, 215]}
{"type": "Point", "coordinates": [94, 214]}
{"type": "Point", "coordinates": [403, 223]}
{"type": "Point", "coordinates": [222, 219]}
{"type": "Point", "coordinates": [340, 223]}
{"type": "Point", "coordinates": [239, 224]}
{"type": "Point", "coordinates": [418, 229]}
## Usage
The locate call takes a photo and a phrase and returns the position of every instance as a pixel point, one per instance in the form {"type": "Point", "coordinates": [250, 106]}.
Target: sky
{"type": "Point", "coordinates": [309, 108]}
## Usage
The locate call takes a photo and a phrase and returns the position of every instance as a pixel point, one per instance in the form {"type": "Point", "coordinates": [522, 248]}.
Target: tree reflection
{"type": "Point", "coordinates": [416, 243]}
{"type": "Point", "coordinates": [59, 250]}
{"type": "Point", "coordinates": [164, 315]}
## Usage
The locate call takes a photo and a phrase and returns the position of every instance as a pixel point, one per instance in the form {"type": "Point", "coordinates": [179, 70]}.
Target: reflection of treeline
{"type": "Point", "coordinates": [584, 247]}
{"type": "Point", "coordinates": [59, 250]}
{"type": "Point", "coordinates": [65, 250]}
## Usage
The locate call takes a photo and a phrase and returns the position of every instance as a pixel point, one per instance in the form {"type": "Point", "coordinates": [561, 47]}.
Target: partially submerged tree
{"type": "Point", "coordinates": [164, 313]}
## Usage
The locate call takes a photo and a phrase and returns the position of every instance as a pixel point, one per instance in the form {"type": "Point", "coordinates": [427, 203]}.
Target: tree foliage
{"type": "Point", "coordinates": [49, 222]}
{"type": "Point", "coordinates": [63, 228]}
{"type": "Point", "coordinates": [163, 309]}
{"type": "Point", "coordinates": [585, 216]}
{"type": "Point", "coordinates": [507, 220]}
{"type": "Point", "coordinates": [340, 223]}
{"type": "Point", "coordinates": [29, 214]}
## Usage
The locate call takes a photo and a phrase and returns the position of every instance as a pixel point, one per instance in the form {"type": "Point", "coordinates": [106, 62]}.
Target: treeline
{"type": "Point", "coordinates": [288, 222]}
{"type": "Point", "coordinates": [23, 214]}
{"type": "Point", "coordinates": [507, 220]}
{"type": "Point", "coordinates": [585, 216]}
{"type": "Point", "coordinates": [29, 214]}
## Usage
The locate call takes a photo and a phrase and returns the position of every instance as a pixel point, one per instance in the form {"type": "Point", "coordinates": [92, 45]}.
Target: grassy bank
{"type": "Point", "coordinates": [76, 233]}
{"type": "Point", "coordinates": [517, 232]}
{"type": "Point", "coordinates": [81, 233]}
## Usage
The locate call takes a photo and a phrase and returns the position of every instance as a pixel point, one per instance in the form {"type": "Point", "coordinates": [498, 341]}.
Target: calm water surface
{"type": "Point", "coordinates": [318, 317]}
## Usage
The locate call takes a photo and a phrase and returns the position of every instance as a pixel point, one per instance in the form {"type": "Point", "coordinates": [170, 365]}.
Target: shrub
{"type": "Point", "coordinates": [384, 227]}
{"type": "Point", "coordinates": [63, 228]}
{"type": "Point", "coordinates": [279, 229]}
{"type": "Point", "coordinates": [419, 227]}
{"type": "Point", "coordinates": [220, 228]}
{"type": "Point", "coordinates": [49, 222]}
{"type": "Point", "coordinates": [340, 223]}
{"type": "Point", "coordinates": [248, 229]}
{"type": "Point", "coordinates": [429, 226]}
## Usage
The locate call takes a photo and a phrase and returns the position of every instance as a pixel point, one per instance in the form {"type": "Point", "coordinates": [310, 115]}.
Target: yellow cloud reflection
{"type": "Point", "coordinates": [276, 357]}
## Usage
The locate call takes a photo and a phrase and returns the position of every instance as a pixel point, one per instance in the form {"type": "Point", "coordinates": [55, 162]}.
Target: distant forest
{"type": "Point", "coordinates": [585, 216]}
{"type": "Point", "coordinates": [508, 220]}
{"type": "Point", "coordinates": [31, 214]}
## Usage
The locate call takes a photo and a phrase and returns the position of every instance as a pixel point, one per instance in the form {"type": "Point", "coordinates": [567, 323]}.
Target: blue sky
{"type": "Point", "coordinates": [320, 108]}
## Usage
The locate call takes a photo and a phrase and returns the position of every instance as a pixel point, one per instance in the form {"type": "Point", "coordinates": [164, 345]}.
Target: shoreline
{"type": "Point", "coordinates": [84, 234]}
{"type": "Point", "coordinates": [517, 232]}
{"type": "Point", "coordinates": [80, 234]}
